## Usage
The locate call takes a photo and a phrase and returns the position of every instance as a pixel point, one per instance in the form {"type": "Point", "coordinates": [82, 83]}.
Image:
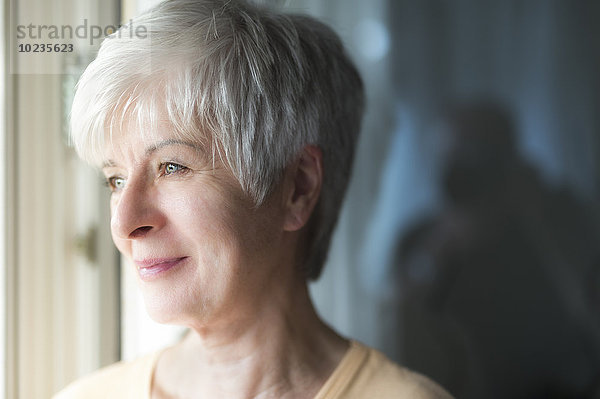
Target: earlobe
{"type": "Point", "coordinates": [305, 178]}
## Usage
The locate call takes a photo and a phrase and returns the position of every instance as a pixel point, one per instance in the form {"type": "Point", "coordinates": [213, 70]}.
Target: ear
{"type": "Point", "coordinates": [304, 179]}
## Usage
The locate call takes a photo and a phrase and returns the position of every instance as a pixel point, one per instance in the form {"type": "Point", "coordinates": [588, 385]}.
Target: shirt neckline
{"type": "Point", "coordinates": [344, 372]}
{"type": "Point", "coordinates": [335, 383]}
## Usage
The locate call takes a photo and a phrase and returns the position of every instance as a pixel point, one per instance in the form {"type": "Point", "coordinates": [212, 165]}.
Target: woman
{"type": "Point", "coordinates": [226, 133]}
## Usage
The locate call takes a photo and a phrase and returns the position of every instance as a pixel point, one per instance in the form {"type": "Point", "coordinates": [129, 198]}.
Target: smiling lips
{"type": "Point", "coordinates": [151, 269]}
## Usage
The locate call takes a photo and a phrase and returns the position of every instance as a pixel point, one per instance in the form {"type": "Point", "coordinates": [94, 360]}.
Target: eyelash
{"type": "Point", "coordinates": [110, 181]}
{"type": "Point", "coordinates": [179, 168]}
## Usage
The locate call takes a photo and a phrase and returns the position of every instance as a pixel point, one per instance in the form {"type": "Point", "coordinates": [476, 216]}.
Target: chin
{"type": "Point", "coordinates": [167, 307]}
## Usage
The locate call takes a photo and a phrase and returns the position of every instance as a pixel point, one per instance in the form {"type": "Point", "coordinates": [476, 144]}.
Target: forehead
{"type": "Point", "coordinates": [138, 139]}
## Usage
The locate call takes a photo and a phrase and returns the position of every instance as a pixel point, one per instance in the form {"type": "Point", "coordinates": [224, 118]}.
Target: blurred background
{"type": "Point", "coordinates": [468, 244]}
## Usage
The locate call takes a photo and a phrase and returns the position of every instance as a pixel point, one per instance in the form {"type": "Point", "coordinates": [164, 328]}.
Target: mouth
{"type": "Point", "coordinates": [151, 269]}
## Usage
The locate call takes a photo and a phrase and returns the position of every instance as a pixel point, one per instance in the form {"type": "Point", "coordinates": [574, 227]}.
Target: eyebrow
{"type": "Point", "coordinates": [157, 146]}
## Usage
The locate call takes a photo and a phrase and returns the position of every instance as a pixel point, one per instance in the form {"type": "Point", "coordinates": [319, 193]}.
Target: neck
{"type": "Point", "coordinates": [282, 350]}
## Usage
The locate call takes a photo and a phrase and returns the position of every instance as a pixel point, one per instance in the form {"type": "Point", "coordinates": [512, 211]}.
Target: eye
{"type": "Point", "coordinates": [170, 168]}
{"type": "Point", "coordinates": [115, 183]}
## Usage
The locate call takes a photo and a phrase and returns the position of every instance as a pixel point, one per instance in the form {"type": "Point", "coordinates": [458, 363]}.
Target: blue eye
{"type": "Point", "coordinates": [170, 168]}
{"type": "Point", "coordinates": [115, 183]}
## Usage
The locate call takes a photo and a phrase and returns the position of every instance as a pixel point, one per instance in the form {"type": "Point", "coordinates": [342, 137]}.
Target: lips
{"type": "Point", "coordinates": [151, 269]}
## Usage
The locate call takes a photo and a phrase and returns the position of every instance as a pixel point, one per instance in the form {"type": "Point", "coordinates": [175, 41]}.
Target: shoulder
{"type": "Point", "coordinates": [370, 374]}
{"type": "Point", "coordinates": [396, 381]}
{"type": "Point", "coordinates": [120, 380]}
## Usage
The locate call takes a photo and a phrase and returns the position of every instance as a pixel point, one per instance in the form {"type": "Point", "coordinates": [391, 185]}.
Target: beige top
{"type": "Point", "coordinates": [362, 373]}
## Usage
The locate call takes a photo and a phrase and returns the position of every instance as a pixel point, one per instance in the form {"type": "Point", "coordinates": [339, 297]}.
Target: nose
{"type": "Point", "coordinates": [135, 213]}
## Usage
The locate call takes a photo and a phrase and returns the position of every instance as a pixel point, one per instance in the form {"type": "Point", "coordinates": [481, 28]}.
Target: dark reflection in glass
{"type": "Point", "coordinates": [501, 287]}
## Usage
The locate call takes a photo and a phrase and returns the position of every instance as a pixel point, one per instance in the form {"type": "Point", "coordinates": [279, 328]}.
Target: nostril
{"type": "Point", "coordinates": [140, 232]}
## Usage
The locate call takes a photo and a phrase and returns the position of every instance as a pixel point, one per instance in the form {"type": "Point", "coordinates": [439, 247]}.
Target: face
{"type": "Point", "coordinates": [200, 248]}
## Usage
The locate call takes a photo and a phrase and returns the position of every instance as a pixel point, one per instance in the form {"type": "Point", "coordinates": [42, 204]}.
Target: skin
{"type": "Point", "coordinates": [253, 330]}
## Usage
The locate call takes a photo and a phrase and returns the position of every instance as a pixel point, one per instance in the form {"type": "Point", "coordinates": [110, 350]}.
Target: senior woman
{"type": "Point", "coordinates": [226, 133]}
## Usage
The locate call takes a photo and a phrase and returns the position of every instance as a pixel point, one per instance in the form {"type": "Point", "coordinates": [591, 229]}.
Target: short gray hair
{"type": "Point", "coordinates": [257, 85]}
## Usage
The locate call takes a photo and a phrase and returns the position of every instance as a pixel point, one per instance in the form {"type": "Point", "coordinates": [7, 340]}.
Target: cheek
{"type": "Point", "coordinates": [205, 220]}
{"type": "Point", "coordinates": [219, 222]}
